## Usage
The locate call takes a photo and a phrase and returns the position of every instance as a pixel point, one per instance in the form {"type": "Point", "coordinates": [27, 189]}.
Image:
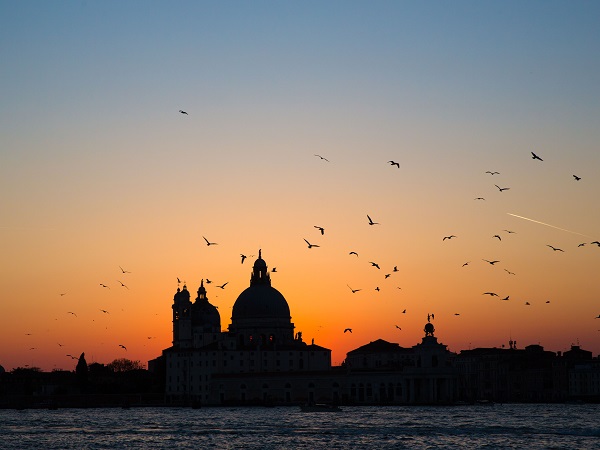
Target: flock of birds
{"type": "Point", "coordinates": [370, 222]}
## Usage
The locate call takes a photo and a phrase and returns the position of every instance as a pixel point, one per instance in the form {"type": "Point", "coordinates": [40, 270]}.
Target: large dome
{"type": "Point", "coordinates": [260, 301]}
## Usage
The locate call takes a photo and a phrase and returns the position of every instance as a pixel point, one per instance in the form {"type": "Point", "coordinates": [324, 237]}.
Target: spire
{"type": "Point", "coordinates": [259, 272]}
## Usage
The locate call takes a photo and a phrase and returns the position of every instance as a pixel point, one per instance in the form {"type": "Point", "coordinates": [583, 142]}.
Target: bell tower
{"type": "Point", "coordinates": [182, 319]}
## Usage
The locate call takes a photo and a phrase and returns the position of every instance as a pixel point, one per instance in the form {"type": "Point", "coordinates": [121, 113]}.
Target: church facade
{"type": "Point", "coordinates": [259, 359]}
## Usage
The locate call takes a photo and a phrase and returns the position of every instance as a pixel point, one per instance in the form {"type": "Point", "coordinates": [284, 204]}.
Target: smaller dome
{"type": "Point", "coordinates": [260, 263]}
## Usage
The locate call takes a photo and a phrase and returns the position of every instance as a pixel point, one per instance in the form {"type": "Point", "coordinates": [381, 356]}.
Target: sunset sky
{"type": "Point", "coordinates": [99, 171]}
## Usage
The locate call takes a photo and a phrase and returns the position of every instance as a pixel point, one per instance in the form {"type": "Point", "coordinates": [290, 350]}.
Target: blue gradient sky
{"type": "Point", "coordinates": [98, 169]}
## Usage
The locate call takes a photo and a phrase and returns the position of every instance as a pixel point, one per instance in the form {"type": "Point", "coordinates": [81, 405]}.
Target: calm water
{"type": "Point", "coordinates": [494, 427]}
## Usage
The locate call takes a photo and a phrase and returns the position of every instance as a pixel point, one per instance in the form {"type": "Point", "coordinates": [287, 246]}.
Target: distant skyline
{"type": "Point", "coordinates": [294, 115]}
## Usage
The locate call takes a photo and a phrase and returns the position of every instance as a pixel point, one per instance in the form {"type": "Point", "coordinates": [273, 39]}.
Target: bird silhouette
{"type": "Point", "coordinates": [479, 198]}
{"type": "Point", "coordinates": [208, 242]}
{"type": "Point", "coordinates": [394, 163]}
{"type": "Point", "coordinates": [534, 156]}
{"type": "Point", "coordinates": [527, 304]}
{"type": "Point", "coordinates": [60, 345]}
{"type": "Point", "coordinates": [104, 311]}
{"type": "Point", "coordinates": [183, 112]}
{"type": "Point", "coordinates": [595, 242]}
{"type": "Point", "coordinates": [398, 327]}
{"type": "Point", "coordinates": [510, 232]}
{"type": "Point", "coordinates": [448, 237]}
{"type": "Point", "coordinates": [581, 245]}
{"type": "Point", "coordinates": [502, 189]}
{"type": "Point", "coordinates": [493, 173]}
{"type": "Point", "coordinates": [598, 317]}
{"type": "Point", "coordinates": [72, 357]}
{"type": "Point", "coordinates": [491, 294]}
{"type": "Point", "coordinates": [63, 294]}
{"type": "Point", "coordinates": [353, 253]}
{"type": "Point", "coordinates": [491, 262]}
{"type": "Point", "coordinates": [456, 314]}
{"type": "Point", "coordinates": [353, 290]}
{"type": "Point", "coordinates": [576, 178]}
{"type": "Point", "coordinates": [509, 272]}
{"type": "Point", "coordinates": [466, 264]}
{"type": "Point", "coordinates": [377, 288]}
{"type": "Point", "coordinates": [387, 275]}
{"type": "Point", "coordinates": [496, 236]}
{"type": "Point", "coordinates": [556, 249]}
{"type": "Point", "coordinates": [123, 285]}
{"type": "Point", "coordinates": [374, 264]}
{"type": "Point", "coordinates": [243, 257]}
{"type": "Point", "coordinates": [274, 269]}
{"type": "Point", "coordinates": [123, 270]}
{"type": "Point", "coordinates": [404, 312]}
{"type": "Point", "coordinates": [223, 285]}
{"type": "Point", "coordinates": [321, 229]}
{"type": "Point", "coordinates": [506, 298]}
{"type": "Point", "coordinates": [547, 301]}
{"type": "Point", "coordinates": [208, 281]}
{"type": "Point", "coordinates": [395, 269]}
{"type": "Point", "coordinates": [69, 312]}
{"type": "Point", "coordinates": [178, 280]}
{"type": "Point", "coordinates": [311, 245]}
{"type": "Point", "coordinates": [348, 329]}
{"type": "Point", "coordinates": [371, 221]}
{"type": "Point", "coordinates": [325, 159]}
{"type": "Point", "coordinates": [122, 346]}
{"type": "Point", "coordinates": [104, 286]}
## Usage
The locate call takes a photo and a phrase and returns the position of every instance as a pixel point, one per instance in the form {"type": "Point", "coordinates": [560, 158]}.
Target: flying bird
{"type": "Point", "coordinates": [69, 312]}
{"type": "Point", "coordinates": [353, 290]}
{"type": "Point", "coordinates": [576, 178]}
{"type": "Point", "coordinates": [394, 163]}
{"type": "Point", "coordinates": [123, 270]}
{"type": "Point", "coordinates": [395, 269]}
{"type": "Point", "coordinates": [274, 269]}
{"type": "Point", "coordinates": [208, 281]}
{"type": "Point", "coordinates": [534, 156]}
{"type": "Point", "coordinates": [556, 249]}
{"type": "Point", "coordinates": [243, 257]}
{"type": "Point", "coordinates": [63, 294]}
{"type": "Point", "coordinates": [374, 264]}
{"type": "Point", "coordinates": [377, 288]}
{"type": "Point", "coordinates": [506, 298]}
{"type": "Point", "coordinates": [496, 236]}
{"type": "Point", "coordinates": [371, 221]}
{"type": "Point", "coordinates": [479, 198]}
{"type": "Point", "coordinates": [466, 264]}
{"type": "Point", "coordinates": [581, 245]}
{"type": "Point", "coordinates": [491, 262]}
{"type": "Point", "coordinates": [448, 237]}
{"type": "Point", "coordinates": [321, 229]}
{"type": "Point", "coordinates": [104, 286]}
{"type": "Point", "coordinates": [527, 304]}
{"type": "Point", "coordinates": [547, 301]}
{"type": "Point", "coordinates": [596, 242]}
{"type": "Point", "coordinates": [502, 189]}
{"type": "Point", "coordinates": [404, 312]}
{"type": "Point", "coordinates": [122, 346]}
{"type": "Point", "coordinates": [311, 245]}
{"type": "Point", "coordinates": [509, 272]}
{"type": "Point", "coordinates": [183, 112]}
{"type": "Point", "coordinates": [493, 173]}
{"type": "Point", "coordinates": [223, 285]}
{"type": "Point", "coordinates": [104, 311]}
{"type": "Point", "coordinates": [325, 159]}
{"type": "Point", "coordinates": [353, 253]}
{"type": "Point", "coordinates": [456, 314]}
{"type": "Point", "coordinates": [123, 285]}
{"type": "Point", "coordinates": [510, 232]}
{"type": "Point", "coordinates": [398, 327]}
{"type": "Point", "coordinates": [491, 294]}
{"type": "Point", "coordinates": [387, 275]}
{"type": "Point", "coordinates": [208, 242]}
{"type": "Point", "coordinates": [348, 329]}
{"type": "Point", "coordinates": [72, 357]}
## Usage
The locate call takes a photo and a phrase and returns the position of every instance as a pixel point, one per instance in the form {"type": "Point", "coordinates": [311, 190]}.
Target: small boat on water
{"type": "Point", "coordinates": [319, 407]}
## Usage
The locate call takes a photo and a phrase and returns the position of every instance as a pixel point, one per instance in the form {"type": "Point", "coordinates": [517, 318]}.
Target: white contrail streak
{"type": "Point", "coordinates": [548, 225]}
